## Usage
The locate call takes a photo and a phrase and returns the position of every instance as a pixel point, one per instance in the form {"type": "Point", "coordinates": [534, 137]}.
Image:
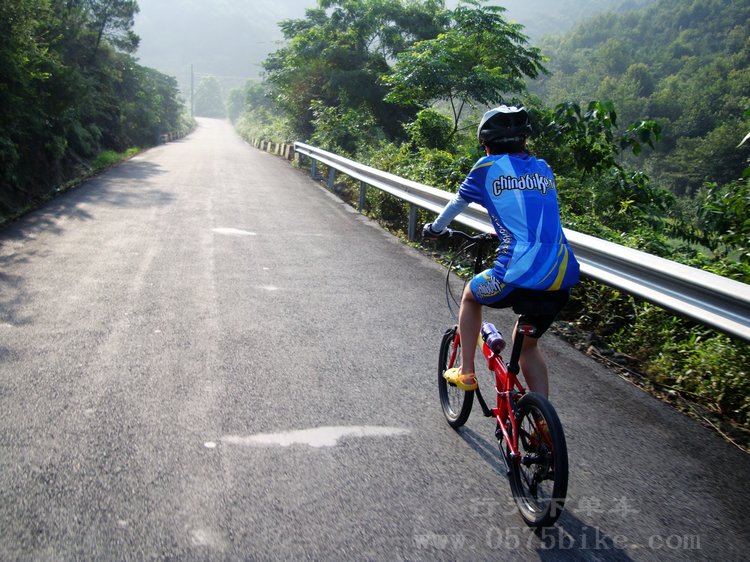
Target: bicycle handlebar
{"type": "Point", "coordinates": [476, 242]}
{"type": "Point", "coordinates": [460, 234]}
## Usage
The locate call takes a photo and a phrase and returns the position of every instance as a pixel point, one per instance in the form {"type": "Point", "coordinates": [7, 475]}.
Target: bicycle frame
{"type": "Point", "coordinates": [508, 388]}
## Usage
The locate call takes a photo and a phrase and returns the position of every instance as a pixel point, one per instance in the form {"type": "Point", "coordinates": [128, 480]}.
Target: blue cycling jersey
{"type": "Point", "coordinates": [520, 195]}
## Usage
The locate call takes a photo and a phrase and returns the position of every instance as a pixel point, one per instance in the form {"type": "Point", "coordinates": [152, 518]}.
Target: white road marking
{"type": "Point", "coordinates": [233, 232]}
{"type": "Point", "coordinates": [313, 437]}
{"type": "Point", "coordinates": [207, 537]}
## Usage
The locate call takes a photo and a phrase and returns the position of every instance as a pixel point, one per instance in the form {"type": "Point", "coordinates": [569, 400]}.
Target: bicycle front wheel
{"type": "Point", "coordinates": [539, 477]}
{"type": "Point", "coordinates": [455, 402]}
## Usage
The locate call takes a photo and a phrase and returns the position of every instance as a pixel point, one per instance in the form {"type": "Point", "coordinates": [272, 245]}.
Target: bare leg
{"type": "Point", "coordinates": [533, 367]}
{"type": "Point", "coordinates": [469, 324]}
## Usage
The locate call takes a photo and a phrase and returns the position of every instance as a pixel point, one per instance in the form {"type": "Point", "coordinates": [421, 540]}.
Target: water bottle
{"type": "Point", "coordinates": [493, 338]}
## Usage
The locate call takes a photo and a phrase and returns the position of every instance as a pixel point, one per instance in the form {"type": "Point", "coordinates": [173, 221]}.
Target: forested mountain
{"type": "Point", "coordinates": [555, 17]}
{"type": "Point", "coordinates": [69, 90]}
{"type": "Point", "coordinates": [683, 63]}
{"type": "Point", "coordinates": [230, 40]}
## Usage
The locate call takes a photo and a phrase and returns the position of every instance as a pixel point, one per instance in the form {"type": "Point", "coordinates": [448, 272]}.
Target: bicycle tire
{"type": "Point", "coordinates": [456, 403]}
{"type": "Point", "coordinates": [539, 477]}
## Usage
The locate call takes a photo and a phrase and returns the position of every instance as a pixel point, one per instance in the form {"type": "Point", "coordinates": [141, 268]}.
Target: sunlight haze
{"type": "Point", "coordinates": [230, 38]}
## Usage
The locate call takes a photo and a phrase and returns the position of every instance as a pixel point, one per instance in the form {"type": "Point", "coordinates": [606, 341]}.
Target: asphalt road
{"type": "Point", "coordinates": [206, 356]}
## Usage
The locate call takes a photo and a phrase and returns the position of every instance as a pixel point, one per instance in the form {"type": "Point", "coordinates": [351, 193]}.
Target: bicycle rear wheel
{"type": "Point", "coordinates": [455, 402]}
{"type": "Point", "coordinates": [539, 478]}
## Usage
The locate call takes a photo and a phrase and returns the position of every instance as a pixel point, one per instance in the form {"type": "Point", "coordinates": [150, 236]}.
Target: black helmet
{"type": "Point", "coordinates": [504, 123]}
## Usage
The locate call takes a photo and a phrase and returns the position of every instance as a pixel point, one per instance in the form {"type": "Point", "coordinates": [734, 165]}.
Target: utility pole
{"type": "Point", "coordinates": [192, 94]}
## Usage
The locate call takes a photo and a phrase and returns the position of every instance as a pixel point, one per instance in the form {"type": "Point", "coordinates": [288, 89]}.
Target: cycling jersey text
{"type": "Point", "coordinates": [536, 181]}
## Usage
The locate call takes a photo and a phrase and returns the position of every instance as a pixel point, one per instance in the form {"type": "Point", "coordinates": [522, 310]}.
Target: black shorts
{"type": "Point", "coordinates": [538, 308]}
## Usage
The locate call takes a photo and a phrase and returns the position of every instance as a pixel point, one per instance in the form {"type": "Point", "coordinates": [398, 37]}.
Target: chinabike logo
{"type": "Point", "coordinates": [489, 286]}
{"type": "Point", "coordinates": [527, 182]}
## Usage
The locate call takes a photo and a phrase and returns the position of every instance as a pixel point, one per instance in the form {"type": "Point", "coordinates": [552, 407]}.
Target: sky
{"type": "Point", "coordinates": [227, 38]}
{"type": "Point", "coordinates": [230, 38]}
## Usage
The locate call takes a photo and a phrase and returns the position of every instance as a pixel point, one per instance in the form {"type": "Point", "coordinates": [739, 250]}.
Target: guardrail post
{"type": "Point", "coordinates": [331, 177]}
{"type": "Point", "coordinates": [362, 191]}
{"type": "Point", "coordinates": [313, 168]}
{"type": "Point", "coordinates": [413, 222]}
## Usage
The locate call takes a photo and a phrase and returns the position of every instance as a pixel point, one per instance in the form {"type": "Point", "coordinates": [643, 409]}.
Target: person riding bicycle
{"type": "Point", "coordinates": [535, 264]}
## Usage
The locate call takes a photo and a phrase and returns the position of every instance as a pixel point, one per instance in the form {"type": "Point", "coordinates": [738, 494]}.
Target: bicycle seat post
{"type": "Point", "coordinates": [515, 353]}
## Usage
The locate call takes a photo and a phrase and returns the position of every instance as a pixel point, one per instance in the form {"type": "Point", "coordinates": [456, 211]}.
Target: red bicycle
{"type": "Point", "coordinates": [528, 430]}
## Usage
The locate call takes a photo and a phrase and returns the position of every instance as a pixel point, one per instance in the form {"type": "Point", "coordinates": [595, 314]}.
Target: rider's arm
{"type": "Point", "coordinates": [450, 212]}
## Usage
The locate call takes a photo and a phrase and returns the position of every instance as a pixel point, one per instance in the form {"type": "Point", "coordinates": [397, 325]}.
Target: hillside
{"type": "Point", "coordinates": [556, 17]}
{"type": "Point", "coordinates": [682, 63]}
{"type": "Point", "coordinates": [231, 39]}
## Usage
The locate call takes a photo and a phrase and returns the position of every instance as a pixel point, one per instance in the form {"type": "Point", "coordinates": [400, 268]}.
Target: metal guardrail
{"type": "Point", "coordinates": [700, 295]}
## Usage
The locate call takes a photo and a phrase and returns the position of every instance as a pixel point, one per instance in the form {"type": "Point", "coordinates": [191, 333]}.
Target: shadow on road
{"type": "Point", "coordinates": [127, 186]}
{"type": "Point", "coordinates": [108, 188]}
{"type": "Point", "coordinates": [569, 539]}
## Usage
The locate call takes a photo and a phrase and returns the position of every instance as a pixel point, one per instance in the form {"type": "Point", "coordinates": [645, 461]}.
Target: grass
{"type": "Point", "coordinates": [109, 158]}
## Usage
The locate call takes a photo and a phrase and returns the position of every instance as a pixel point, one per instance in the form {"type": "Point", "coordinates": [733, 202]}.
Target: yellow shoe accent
{"type": "Point", "coordinates": [465, 382]}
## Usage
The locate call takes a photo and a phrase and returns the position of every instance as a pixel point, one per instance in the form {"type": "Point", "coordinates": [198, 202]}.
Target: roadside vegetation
{"type": "Point", "coordinates": [652, 162]}
{"type": "Point", "coordinates": [73, 97]}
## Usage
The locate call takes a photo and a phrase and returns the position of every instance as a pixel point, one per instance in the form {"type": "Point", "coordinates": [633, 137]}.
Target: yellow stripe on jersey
{"type": "Point", "coordinates": [561, 273]}
{"type": "Point", "coordinates": [482, 165]}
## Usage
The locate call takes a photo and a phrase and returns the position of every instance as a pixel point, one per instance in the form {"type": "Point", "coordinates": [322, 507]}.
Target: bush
{"type": "Point", "coordinates": [431, 130]}
{"type": "Point", "coordinates": [690, 358]}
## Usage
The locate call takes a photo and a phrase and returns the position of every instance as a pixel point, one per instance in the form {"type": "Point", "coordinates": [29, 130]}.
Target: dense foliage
{"type": "Point", "coordinates": [683, 63]}
{"type": "Point", "coordinates": [425, 84]}
{"type": "Point", "coordinates": [70, 90]}
{"type": "Point", "coordinates": [475, 60]}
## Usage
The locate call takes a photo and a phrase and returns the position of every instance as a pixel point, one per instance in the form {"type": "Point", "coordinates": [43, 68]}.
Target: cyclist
{"type": "Point", "coordinates": [535, 263]}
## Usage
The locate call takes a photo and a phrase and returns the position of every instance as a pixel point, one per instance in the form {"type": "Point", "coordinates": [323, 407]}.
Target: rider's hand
{"type": "Point", "coordinates": [430, 234]}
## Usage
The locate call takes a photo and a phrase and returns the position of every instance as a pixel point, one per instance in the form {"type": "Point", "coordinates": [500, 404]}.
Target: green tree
{"type": "Point", "coordinates": [209, 101]}
{"type": "Point", "coordinates": [113, 20]}
{"type": "Point", "coordinates": [25, 68]}
{"type": "Point", "coordinates": [64, 99]}
{"type": "Point", "coordinates": [338, 53]}
{"type": "Point", "coordinates": [341, 129]}
{"type": "Point", "coordinates": [479, 59]}
{"type": "Point", "coordinates": [431, 129]}
{"type": "Point", "coordinates": [724, 219]}
{"type": "Point", "coordinates": [236, 104]}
